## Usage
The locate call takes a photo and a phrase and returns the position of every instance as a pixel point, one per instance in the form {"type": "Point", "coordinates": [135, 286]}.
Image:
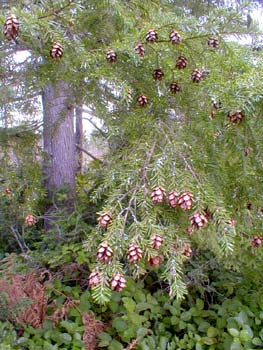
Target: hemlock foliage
{"type": "Point", "coordinates": [187, 142]}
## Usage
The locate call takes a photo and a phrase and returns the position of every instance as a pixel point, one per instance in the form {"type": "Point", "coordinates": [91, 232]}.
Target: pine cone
{"type": "Point", "coordinates": [11, 27]}
{"type": "Point", "coordinates": [235, 117]}
{"type": "Point", "coordinates": [196, 76]}
{"type": "Point", "coordinates": [173, 198]}
{"type": "Point", "coordinates": [156, 241]}
{"type": "Point", "coordinates": [30, 220]}
{"type": "Point", "coordinates": [94, 279]}
{"type": "Point", "coordinates": [118, 282]}
{"type": "Point", "coordinates": [151, 36]}
{"type": "Point", "coordinates": [198, 220]}
{"type": "Point", "coordinates": [181, 62]}
{"type": "Point", "coordinates": [158, 74]}
{"type": "Point", "coordinates": [142, 100]}
{"type": "Point", "coordinates": [187, 250]}
{"type": "Point", "coordinates": [175, 37]}
{"type": "Point", "coordinates": [185, 201]}
{"type": "Point", "coordinates": [111, 56]}
{"type": "Point", "coordinates": [140, 49]}
{"type": "Point", "coordinates": [56, 51]}
{"type": "Point", "coordinates": [256, 241]}
{"type": "Point", "coordinates": [134, 253]}
{"type": "Point", "coordinates": [8, 190]}
{"type": "Point", "coordinates": [158, 195]}
{"type": "Point", "coordinates": [156, 260]}
{"type": "Point", "coordinates": [105, 252]}
{"type": "Point", "coordinates": [174, 88]}
{"type": "Point", "coordinates": [213, 42]}
{"type": "Point", "coordinates": [105, 220]}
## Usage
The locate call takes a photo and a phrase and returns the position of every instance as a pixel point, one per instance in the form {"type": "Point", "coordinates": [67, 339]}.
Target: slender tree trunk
{"type": "Point", "coordinates": [79, 139]}
{"type": "Point", "coordinates": [59, 145]}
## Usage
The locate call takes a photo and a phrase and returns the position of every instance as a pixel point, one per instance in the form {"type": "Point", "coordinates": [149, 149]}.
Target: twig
{"type": "Point", "coordinates": [89, 154]}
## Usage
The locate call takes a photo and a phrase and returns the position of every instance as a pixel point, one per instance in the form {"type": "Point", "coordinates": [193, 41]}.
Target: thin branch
{"type": "Point", "coordinates": [84, 110]}
{"type": "Point", "coordinates": [89, 154]}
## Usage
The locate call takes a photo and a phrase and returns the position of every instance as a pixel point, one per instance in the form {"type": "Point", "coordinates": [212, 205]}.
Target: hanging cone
{"type": "Point", "coordinates": [134, 253]}
{"type": "Point", "coordinates": [173, 198]}
{"type": "Point", "coordinates": [158, 74]}
{"type": "Point", "coordinates": [198, 220]}
{"type": "Point", "coordinates": [94, 279]}
{"type": "Point", "coordinates": [174, 88]}
{"type": "Point", "coordinates": [105, 220]}
{"type": "Point", "coordinates": [118, 282]}
{"type": "Point", "coordinates": [151, 36]}
{"type": "Point", "coordinates": [196, 76]}
{"type": "Point", "coordinates": [142, 100]}
{"type": "Point", "coordinates": [175, 37]}
{"type": "Point", "coordinates": [30, 220]}
{"type": "Point", "coordinates": [105, 253]}
{"type": "Point", "coordinates": [187, 249]}
{"type": "Point", "coordinates": [158, 195]}
{"type": "Point", "coordinates": [140, 49]}
{"type": "Point", "coordinates": [56, 51]}
{"type": "Point", "coordinates": [11, 27]}
{"type": "Point", "coordinates": [185, 201]}
{"type": "Point", "coordinates": [156, 241]}
{"type": "Point", "coordinates": [256, 241]}
{"type": "Point", "coordinates": [235, 117]}
{"type": "Point", "coordinates": [181, 62]}
{"type": "Point", "coordinates": [111, 56]}
{"type": "Point", "coordinates": [156, 260]}
{"type": "Point", "coordinates": [213, 42]}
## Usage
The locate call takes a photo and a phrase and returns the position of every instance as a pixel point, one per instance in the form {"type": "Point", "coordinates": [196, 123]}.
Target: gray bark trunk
{"type": "Point", "coordinates": [59, 145]}
{"type": "Point", "coordinates": [79, 139]}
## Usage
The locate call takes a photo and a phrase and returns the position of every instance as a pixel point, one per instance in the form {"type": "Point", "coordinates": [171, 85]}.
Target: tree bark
{"type": "Point", "coordinates": [59, 143]}
{"type": "Point", "coordinates": [79, 139]}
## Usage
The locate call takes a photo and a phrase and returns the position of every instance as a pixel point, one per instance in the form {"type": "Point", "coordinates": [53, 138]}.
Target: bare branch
{"type": "Point", "coordinates": [89, 154]}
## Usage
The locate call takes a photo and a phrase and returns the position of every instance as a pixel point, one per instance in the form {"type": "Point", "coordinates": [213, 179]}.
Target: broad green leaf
{"type": "Point", "coordinates": [115, 345]}
{"type": "Point", "coordinates": [236, 345]}
{"type": "Point", "coordinates": [212, 332]}
{"type": "Point", "coordinates": [129, 304]}
{"type": "Point", "coordinates": [119, 324]}
{"type": "Point", "coordinates": [257, 341]}
{"type": "Point", "coordinates": [233, 331]}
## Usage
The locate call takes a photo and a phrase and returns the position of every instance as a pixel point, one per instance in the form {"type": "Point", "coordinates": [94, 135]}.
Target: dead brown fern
{"type": "Point", "coordinates": [93, 328]}
{"type": "Point", "coordinates": [26, 287]}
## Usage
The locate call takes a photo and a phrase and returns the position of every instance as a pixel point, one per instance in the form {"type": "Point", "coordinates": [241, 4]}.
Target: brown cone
{"type": "Point", "coordinates": [213, 42]}
{"type": "Point", "coordinates": [156, 241]}
{"type": "Point", "coordinates": [11, 27]}
{"type": "Point", "coordinates": [181, 62]}
{"type": "Point", "coordinates": [235, 117]}
{"type": "Point", "coordinates": [158, 74]}
{"type": "Point", "coordinates": [142, 100]}
{"type": "Point", "coordinates": [173, 198]}
{"type": "Point", "coordinates": [134, 253]}
{"type": "Point", "coordinates": [94, 279]}
{"type": "Point", "coordinates": [30, 220]}
{"type": "Point", "coordinates": [56, 51]}
{"type": "Point", "coordinates": [175, 37]}
{"type": "Point", "coordinates": [140, 49]}
{"type": "Point", "coordinates": [185, 201]}
{"type": "Point", "coordinates": [105, 252]}
{"type": "Point", "coordinates": [111, 56]}
{"type": "Point", "coordinates": [151, 36]}
{"type": "Point", "coordinates": [256, 241]}
{"type": "Point", "coordinates": [198, 220]}
{"type": "Point", "coordinates": [118, 282]}
{"type": "Point", "coordinates": [105, 220]}
{"type": "Point", "coordinates": [158, 195]}
{"type": "Point", "coordinates": [196, 76]}
{"type": "Point", "coordinates": [174, 88]}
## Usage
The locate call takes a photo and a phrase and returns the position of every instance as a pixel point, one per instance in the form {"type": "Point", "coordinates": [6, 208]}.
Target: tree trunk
{"type": "Point", "coordinates": [59, 145]}
{"type": "Point", "coordinates": [79, 139]}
